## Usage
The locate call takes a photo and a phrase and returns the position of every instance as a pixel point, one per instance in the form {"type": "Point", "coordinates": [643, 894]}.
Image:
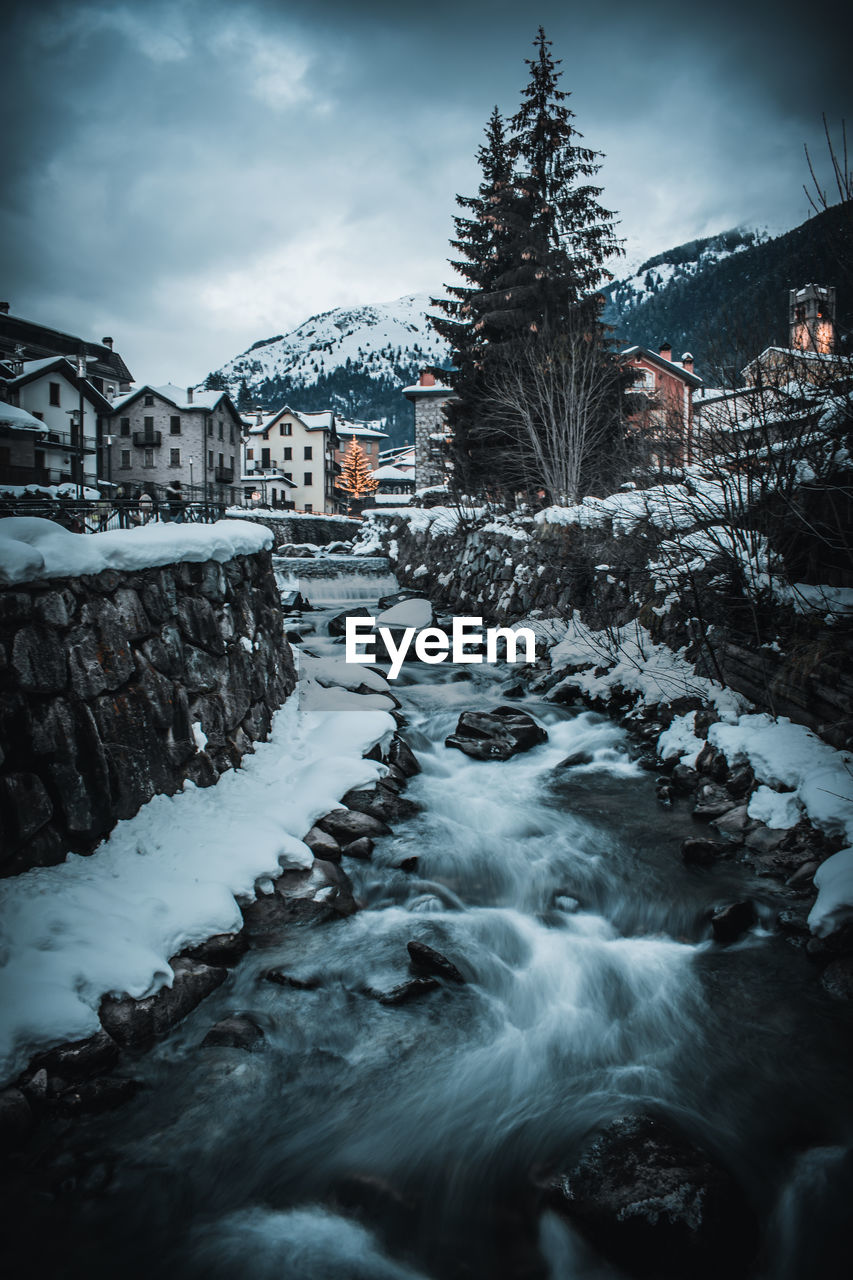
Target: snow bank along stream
{"type": "Point", "coordinates": [364, 1139]}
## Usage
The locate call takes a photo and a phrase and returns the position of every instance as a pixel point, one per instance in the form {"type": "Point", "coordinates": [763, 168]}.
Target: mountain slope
{"type": "Point", "coordinates": [726, 298]}
{"type": "Point", "coordinates": [355, 359]}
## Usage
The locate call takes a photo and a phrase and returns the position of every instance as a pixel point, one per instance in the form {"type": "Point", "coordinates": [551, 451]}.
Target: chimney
{"type": "Point", "coordinates": [4, 308]}
{"type": "Point", "coordinates": [107, 342]}
{"type": "Point", "coordinates": [189, 395]}
{"type": "Point", "coordinates": [427, 378]}
{"type": "Point", "coordinates": [687, 362]}
{"type": "Point", "coordinates": [665, 351]}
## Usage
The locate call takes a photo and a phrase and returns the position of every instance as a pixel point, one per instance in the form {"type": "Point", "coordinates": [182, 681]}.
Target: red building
{"type": "Point", "coordinates": [664, 388]}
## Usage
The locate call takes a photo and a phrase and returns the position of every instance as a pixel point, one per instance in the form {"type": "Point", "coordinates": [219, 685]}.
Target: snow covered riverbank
{"type": "Point", "coordinates": [170, 877]}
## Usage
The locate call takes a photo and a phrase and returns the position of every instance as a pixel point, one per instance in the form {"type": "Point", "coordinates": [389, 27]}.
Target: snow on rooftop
{"type": "Point", "coordinates": [389, 472]}
{"type": "Point", "coordinates": [19, 419]}
{"type": "Point", "coordinates": [200, 400]}
{"type": "Point", "coordinates": [359, 429]}
{"type": "Point", "coordinates": [432, 388]}
{"type": "Point", "coordinates": [33, 366]}
{"type": "Point", "coordinates": [32, 549]}
{"type": "Point", "coordinates": [317, 421]}
{"type": "Point", "coordinates": [176, 395]}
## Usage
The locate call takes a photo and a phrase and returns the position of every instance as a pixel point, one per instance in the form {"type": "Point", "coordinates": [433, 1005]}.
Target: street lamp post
{"type": "Point", "coordinates": [81, 454]}
{"type": "Point", "coordinates": [109, 441]}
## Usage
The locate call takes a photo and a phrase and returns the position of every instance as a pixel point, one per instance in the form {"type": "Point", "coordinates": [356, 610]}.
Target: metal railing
{"type": "Point", "coordinates": [115, 513]}
{"type": "Point", "coordinates": [127, 507]}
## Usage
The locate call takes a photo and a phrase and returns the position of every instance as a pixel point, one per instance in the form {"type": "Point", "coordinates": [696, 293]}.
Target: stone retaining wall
{"type": "Point", "coordinates": [607, 578]}
{"type": "Point", "coordinates": [117, 686]}
{"type": "Point", "coordinates": [321, 530]}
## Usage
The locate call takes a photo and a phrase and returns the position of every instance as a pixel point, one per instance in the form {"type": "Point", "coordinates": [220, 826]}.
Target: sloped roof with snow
{"type": "Point", "coordinates": [323, 421]}
{"type": "Point", "coordinates": [661, 362]}
{"type": "Point", "coordinates": [392, 473]}
{"type": "Point", "coordinates": [19, 419]}
{"type": "Point", "coordinates": [346, 428]}
{"type": "Point", "coordinates": [205, 401]}
{"type": "Point", "coordinates": [65, 367]}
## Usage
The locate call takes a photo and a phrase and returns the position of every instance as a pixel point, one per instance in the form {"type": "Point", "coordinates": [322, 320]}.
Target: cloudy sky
{"type": "Point", "coordinates": [193, 175]}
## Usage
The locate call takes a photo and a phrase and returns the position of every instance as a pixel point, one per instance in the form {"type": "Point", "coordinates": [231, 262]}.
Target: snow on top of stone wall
{"type": "Point", "coordinates": [32, 548]}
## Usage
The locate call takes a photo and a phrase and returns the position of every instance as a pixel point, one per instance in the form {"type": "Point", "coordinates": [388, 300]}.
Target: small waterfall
{"type": "Point", "coordinates": [335, 579]}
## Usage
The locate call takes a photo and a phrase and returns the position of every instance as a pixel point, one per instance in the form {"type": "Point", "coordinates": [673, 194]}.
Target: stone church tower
{"type": "Point", "coordinates": [811, 319]}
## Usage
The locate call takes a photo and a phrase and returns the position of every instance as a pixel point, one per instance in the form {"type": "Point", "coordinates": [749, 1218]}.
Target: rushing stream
{"type": "Point", "coordinates": [366, 1141]}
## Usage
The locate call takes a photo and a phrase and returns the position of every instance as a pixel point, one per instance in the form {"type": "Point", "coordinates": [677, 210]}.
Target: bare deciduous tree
{"type": "Point", "coordinates": [553, 408]}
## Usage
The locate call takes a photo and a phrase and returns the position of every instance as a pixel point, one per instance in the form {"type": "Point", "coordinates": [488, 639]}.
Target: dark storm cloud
{"type": "Point", "coordinates": [192, 176]}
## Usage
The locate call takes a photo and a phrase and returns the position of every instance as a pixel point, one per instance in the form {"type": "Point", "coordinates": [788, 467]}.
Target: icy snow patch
{"type": "Point", "coordinates": [778, 809]}
{"type": "Point", "coordinates": [680, 740]}
{"type": "Point", "coordinates": [834, 906]}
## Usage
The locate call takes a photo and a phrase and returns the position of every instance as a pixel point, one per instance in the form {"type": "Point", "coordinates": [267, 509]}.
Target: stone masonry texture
{"type": "Point", "coordinates": [102, 679]}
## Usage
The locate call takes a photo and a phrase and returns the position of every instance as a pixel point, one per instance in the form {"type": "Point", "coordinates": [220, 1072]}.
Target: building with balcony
{"type": "Point", "coordinates": [663, 393]}
{"type": "Point", "coordinates": [56, 392]}
{"type": "Point", "coordinates": [22, 453]}
{"type": "Point", "coordinates": [162, 434]}
{"type": "Point", "coordinates": [54, 376]}
{"type": "Point", "coordinates": [24, 340]}
{"type": "Point", "coordinates": [290, 460]}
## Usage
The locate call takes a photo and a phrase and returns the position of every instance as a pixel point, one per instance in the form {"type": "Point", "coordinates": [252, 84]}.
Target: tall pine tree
{"type": "Point", "coordinates": [533, 244]}
{"type": "Point", "coordinates": [482, 257]}
{"type": "Point", "coordinates": [557, 235]}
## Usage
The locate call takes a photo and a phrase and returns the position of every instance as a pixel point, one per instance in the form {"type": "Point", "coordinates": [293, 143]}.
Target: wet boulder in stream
{"type": "Point", "coordinates": [657, 1205]}
{"type": "Point", "coordinates": [133, 1023]}
{"type": "Point", "coordinates": [425, 960]}
{"type": "Point", "coordinates": [237, 1031]}
{"type": "Point", "coordinates": [322, 845]}
{"type": "Point", "coordinates": [361, 849]}
{"type": "Point", "coordinates": [733, 921]}
{"type": "Point", "coordinates": [347, 825]}
{"type": "Point", "coordinates": [404, 992]}
{"type": "Point", "coordinates": [402, 757]}
{"type": "Point", "coordinates": [380, 802]}
{"type": "Point", "coordinates": [712, 801]}
{"type": "Point", "coordinates": [337, 626]}
{"type": "Point", "coordinates": [496, 735]}
{"type": "Point", "coordinates": [315, 896]}
{"type": "Point", "coordinates": [696, 852]}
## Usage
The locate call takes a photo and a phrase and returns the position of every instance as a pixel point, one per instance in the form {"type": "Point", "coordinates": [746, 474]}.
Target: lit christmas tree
{"type": "Point", "coordinates": [356, 478]}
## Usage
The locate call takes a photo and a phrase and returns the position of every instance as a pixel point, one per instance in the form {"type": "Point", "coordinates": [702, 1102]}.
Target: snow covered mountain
{"type": "Point", "coordinates": [675, 266]}
{"type": "Point", "coordinates": [707, 296]}
{"type": "Point", "coordinates": [725, 297]}
{"type": "Point", "coordinates": [355, 359]}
